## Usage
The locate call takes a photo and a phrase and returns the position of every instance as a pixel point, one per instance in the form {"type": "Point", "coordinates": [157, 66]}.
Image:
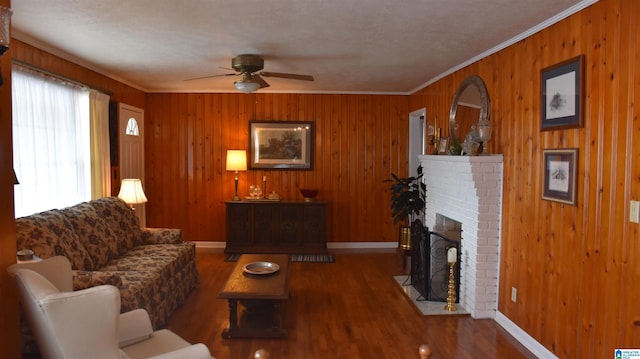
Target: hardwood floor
{"type": "Point", "coordinates": [348, 309]}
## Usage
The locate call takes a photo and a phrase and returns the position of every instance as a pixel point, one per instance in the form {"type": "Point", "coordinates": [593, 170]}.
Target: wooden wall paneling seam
{"type": "Point", "coordinates": [367, 149]}
{"type": "Point", "coordinates": [591, 193]}
{"type": "Point", "coordinates": [352, 149]}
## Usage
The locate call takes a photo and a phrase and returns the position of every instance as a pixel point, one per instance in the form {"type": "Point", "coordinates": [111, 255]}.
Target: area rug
{"type": "Point", "coordinates": [424, 306]}
{"type": "Point", "coordinates": [305, 258]}
{"type": "Point", "coordinates": [233, 257]}
{"type": "Point", "coordinates": [313, 258]}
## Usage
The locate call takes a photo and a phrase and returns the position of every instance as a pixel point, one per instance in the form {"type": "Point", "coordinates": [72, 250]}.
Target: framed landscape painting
{"type": "Point", "coordinates": [562, 93]}
{"type": "Point", "coordinates": [560, 175]}
{"type": "Point", "coordinates": [286, 145]}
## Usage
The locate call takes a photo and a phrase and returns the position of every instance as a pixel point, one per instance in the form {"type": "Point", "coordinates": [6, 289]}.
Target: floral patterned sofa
{"type": "Point", "coordinates": [153, 268]}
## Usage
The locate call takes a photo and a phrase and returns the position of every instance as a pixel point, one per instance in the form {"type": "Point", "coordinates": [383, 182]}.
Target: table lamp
{"type": "Point", "coordinates": [236, 161]}
{"type": "Point", "coordinates": [131, 192]}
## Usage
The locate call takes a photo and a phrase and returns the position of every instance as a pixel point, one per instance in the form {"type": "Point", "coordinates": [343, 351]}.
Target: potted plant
{"type": "Point", "coordinates": [408, 198]}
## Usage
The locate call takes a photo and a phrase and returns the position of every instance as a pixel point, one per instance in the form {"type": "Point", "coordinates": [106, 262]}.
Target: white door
{"type": "Point", "coordinates": [131, 138]}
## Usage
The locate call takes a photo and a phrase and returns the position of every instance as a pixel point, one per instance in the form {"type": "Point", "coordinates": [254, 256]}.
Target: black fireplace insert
{"type": "Point", "coordinates": [429, 267]}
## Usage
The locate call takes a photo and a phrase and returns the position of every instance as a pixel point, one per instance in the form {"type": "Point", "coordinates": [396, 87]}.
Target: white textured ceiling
{"type": "Point", "coordinates": [349, 46]}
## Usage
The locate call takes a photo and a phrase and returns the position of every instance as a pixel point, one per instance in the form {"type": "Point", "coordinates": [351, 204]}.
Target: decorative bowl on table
{"type": "Point", "coordinates": [309, 193]}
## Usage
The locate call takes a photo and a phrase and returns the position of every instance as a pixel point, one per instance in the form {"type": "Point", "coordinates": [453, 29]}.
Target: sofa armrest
{"type": "Point", "coordinates": [134, 326]}
{"type": "Point", "coordinates": [195, 351]}
{"type": "Point", "coordinates": [161, 235]}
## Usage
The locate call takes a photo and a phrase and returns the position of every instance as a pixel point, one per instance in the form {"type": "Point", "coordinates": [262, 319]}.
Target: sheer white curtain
{"type": "Point", "coordinates": [51, 143]}
{"type": "Point", "coordinates": [100, 150]}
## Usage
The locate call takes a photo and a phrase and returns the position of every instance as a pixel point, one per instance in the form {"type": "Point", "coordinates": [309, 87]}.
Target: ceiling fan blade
{"type": "Point", "coordinates": [287, 76]}
{"type": "Point", "coordinates": [260, 80]}
{"type": "Point", "coordinates": [208, 77]}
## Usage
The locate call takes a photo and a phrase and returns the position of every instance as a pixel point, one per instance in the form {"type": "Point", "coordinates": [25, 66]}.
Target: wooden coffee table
{"type": "Point", "coordinates": [261, 298]}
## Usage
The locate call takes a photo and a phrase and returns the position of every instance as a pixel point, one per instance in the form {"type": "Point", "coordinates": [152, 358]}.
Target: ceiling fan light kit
{"type": "Point", "coordinates": [246, 86]}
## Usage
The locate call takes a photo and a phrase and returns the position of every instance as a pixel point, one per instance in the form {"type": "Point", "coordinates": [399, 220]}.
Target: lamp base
{"type": "Point", "coordinates": [235, 181]}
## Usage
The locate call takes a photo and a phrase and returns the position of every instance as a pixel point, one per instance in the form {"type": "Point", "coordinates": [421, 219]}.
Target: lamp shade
{"type": "Point", "coordinates": [236, 160]}
{"type": "Point", "coordinates": [131, 191]}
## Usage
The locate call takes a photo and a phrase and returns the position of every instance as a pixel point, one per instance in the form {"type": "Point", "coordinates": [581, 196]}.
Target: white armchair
{"type": "Point", "coordinates": [87, 323]}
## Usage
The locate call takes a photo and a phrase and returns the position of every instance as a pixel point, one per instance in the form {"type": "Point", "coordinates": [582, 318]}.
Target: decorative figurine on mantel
{"type": "Point", "coordinates": [274, 196]}
{"type": "Point", "coordinates": [255, 192]}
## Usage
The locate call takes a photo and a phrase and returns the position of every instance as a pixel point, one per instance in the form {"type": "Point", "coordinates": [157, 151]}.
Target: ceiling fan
{"type": "Point", "coordinates": [250, 66]}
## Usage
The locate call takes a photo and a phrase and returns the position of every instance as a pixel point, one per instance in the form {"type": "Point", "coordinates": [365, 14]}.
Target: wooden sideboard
{"type": "Point", "coordinates": [256, 226]}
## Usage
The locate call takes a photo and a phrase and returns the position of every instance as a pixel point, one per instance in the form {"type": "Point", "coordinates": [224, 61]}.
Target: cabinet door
{"type": "Point", "coordinates": [313, 225]}
{"type": "Point", "coordinates": [265, 224]}
{"type": "Point", "coordinates": [238, 225]}
{"type": "Point", "coordinates": [290, 225]}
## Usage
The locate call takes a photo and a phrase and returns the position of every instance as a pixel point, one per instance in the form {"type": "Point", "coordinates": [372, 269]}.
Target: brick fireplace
{"type": "Point", "coordinates": [468, 189]}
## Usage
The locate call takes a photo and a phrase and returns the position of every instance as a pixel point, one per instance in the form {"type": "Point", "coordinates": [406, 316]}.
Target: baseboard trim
{"type": "Point", "coordinates": [364, 245]}
{"type": "Point", "coordinates": [523, 337]}
{"type": "Point", "coordinates": [341, 245]}
{"type": "Point", "coordinates": [210, 245]}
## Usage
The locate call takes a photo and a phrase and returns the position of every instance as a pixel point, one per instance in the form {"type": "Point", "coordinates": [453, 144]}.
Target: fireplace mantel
{"type": "Point", "coordinates": [468, 189]}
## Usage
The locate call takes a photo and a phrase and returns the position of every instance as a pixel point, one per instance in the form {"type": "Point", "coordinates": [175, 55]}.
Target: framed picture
{"type": "Point", "coordinates": [560, 175]}
{"type": "Point", "coordinates": [562, 92]}
{"type": "Point", "coordinates": [443, 145]}
{"type": "Point", "coordinates": [281, 145]}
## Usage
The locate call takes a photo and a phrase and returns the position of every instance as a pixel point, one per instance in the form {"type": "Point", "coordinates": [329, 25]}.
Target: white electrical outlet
{"type": "Point", "coordinates": [514, 294]}
{"type": "Point", "coordinates": [634, 211]}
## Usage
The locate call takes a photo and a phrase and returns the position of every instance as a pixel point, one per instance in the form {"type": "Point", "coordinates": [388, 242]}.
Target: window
{"type": "Point", "coordinates": [132, 127]}
{"type": "Point", "coordinates": [51, 143]}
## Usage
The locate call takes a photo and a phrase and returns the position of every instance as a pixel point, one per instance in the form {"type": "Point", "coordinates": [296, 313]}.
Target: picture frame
{"type": "Point", "coordinates": [562, 95]}
{"type": "Point", "coordinates": [560, 168]}
{"type": "Point", "coordinates": [443, 146]}
{"type": "Point", "coordinates": [281, 145]}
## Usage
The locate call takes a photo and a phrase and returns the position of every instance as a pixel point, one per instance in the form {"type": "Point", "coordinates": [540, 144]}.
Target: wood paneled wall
{"type": "Point", "coordinates": [576, 268]}
{"type": "Point", "coordinates": [9, 340]}
{"type": "Point", "coordinates": [359, 140]}
{"type": "Point", "coordinates": [25, 53]}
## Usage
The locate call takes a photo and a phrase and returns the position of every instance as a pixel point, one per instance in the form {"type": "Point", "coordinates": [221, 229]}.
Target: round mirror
{"type": "Point", "coordinates": [470, 111]}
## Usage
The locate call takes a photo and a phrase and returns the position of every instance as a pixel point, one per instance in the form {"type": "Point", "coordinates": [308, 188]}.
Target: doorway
{"type": "Point", "coordinates": [131, 148]}
{"type": "Point", "coordinates": [417, 122]}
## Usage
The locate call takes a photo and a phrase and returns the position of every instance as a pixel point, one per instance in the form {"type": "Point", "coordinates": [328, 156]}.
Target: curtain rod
{"type": "Point", "coordinates": [59, 77]}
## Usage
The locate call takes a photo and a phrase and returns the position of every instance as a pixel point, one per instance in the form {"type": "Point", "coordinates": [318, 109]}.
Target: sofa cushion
{"type": "Point", "coordinates": [93, 232]}
{"type": "Point", "coordinates": [50, 234]}
{"type": "Point", "coordinates": [122, 220]}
